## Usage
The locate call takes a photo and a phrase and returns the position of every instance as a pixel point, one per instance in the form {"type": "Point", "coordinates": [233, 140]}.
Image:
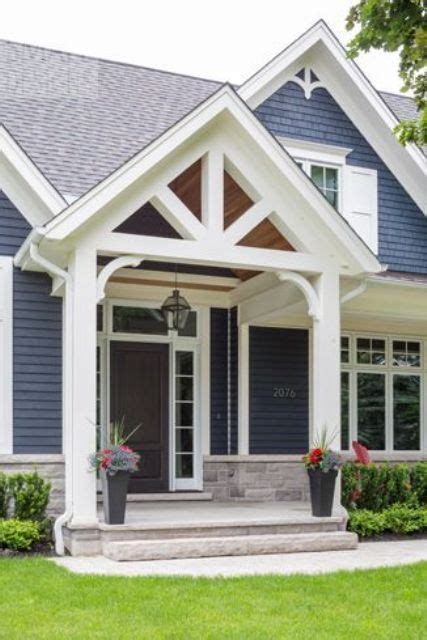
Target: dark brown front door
{"type": "Point", "coordinates": [139, 394]}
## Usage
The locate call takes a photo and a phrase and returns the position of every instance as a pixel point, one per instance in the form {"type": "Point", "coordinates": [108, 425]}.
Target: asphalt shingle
{"type": "Point", "coordinates": [80, 118]}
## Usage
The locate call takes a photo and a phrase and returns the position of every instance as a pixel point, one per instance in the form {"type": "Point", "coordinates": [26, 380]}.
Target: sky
{"type": "Point", "coordinates": [221, 39]}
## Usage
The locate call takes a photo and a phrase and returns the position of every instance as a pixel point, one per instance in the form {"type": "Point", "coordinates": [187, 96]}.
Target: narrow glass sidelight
{"type": "Point", "coordinates": [184, 414]}
{"type": "Point", "coordinates": [406, 412]}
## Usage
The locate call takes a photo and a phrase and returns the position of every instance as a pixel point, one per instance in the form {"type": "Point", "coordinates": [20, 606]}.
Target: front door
{"type": "Point", "coordinates": [139, 374]}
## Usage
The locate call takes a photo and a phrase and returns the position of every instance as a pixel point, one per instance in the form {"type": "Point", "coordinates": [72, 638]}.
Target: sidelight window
{"type": "Point", "coordinates": [184, 414]}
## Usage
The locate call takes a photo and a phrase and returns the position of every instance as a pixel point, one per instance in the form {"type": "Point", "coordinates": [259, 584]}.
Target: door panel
{"type": "Point", "coordinates": [140, 395]}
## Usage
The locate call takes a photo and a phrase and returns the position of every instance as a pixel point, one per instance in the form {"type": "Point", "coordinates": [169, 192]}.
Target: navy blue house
{"type": "Point", "coordinates": [285, 213]}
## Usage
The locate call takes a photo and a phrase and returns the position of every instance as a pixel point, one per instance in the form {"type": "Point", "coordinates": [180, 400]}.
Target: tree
{"type": "Point", "coordinates": [397, 25]}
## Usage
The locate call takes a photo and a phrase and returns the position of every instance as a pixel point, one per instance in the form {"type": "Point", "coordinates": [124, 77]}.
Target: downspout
{"type": "Point", "coordinates": [54, 270]}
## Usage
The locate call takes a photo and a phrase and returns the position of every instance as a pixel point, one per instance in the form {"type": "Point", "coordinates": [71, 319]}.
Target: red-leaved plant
{"type": "Point", "coordinates": [116, 456]}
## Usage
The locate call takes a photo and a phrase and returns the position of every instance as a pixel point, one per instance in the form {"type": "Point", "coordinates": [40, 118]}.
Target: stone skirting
{"type": "Point", "coordinates": [50, 466]}
{"type": "Point", "coordinates": [262, 478]}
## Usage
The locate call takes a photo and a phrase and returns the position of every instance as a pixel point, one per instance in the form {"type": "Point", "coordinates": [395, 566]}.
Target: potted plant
{"type": "Point", "coordinates": [115, 463]}
{"type": "Point", "coordinates": [322, 464]}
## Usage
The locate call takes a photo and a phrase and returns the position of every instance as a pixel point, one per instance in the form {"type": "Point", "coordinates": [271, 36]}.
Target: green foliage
{"type": "Point", "coordinates": [366, 523]}
{"type": "Point", "coordinates": [376, 487]}
{"type": "Point", "coordinates": [397, 25]}
{"type": "Point", "coordinates": [18, 535]}
{"type": "Point", "coordinates": [399, 518]}
{"type": "Point", "coordinates": [30, 495]}
{"type": "Point", "coordinates": [4, 495]}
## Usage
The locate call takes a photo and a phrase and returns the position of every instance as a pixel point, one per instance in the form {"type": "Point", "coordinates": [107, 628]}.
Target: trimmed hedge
{"type": "Point", "coordinates": [396, 519]}
{"type": "Point", "coordinates": [19, 535]}
{"type": "Point", "coordinates": [377, 487]}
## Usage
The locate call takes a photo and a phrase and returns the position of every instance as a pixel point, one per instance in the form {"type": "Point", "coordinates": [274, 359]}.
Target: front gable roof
{"type": "Point", "coordinates": [320, 51]}
{"type": "Point", "coordinates": [222, 113]}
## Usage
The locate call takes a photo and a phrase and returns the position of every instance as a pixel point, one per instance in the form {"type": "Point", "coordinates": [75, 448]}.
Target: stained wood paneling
{"type": "Point", "coordinates": [236, 201]}
{"type": "Point", "coordinates": [266, 236]}
{"type": "Point", "coordinates": [188, 187]}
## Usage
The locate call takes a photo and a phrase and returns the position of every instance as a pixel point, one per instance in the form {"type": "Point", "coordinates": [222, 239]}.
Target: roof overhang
{"type": "Point", "coordinates": [25, 185]}
{"type": "Point", "coordinates": [319, 48]}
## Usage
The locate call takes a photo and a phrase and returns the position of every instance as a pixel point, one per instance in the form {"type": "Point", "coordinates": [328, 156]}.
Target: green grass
{"type": "Point", "coordinates": [40, 600]}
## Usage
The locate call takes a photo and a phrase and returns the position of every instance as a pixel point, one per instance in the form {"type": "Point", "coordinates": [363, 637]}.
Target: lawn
{"type": "Point", "coordinates": [40, 600]}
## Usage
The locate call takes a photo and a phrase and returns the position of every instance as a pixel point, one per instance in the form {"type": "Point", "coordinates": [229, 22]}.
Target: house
{"type": "Point", "coordinates": [286, 214]}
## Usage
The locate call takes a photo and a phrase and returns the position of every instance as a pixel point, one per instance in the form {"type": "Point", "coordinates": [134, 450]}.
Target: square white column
{"type": "Point", "coordinates": [80, 385]}
{"type": "Point", "coordinates": [326, 373]}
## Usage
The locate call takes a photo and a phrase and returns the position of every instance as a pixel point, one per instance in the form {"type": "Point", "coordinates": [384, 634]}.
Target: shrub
{"type": "Point", "coordinates": [419, 481]}
{"type": "Point", "coordinates": [376, 487]}
{"type": "Point", "coordinates": [4, 495]}
{"type": "Point", "coordinates": [366, 523]}
{"type": "Point", "coordinates": [395, 519]}
{"type": "Point", "coordinates": [18, 535]}
{"type": "Point", "coordinates": [30, 494]}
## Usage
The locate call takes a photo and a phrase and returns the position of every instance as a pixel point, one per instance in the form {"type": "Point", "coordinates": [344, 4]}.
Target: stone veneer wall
{"type": "Point", "coordinates": [50, 466]}
{"type": "Point", "coordinates": [264, 478]}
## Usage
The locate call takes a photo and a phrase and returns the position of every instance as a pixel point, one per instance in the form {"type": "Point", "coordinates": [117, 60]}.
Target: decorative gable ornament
{"type": "Point", "coordinates": [308, 81]}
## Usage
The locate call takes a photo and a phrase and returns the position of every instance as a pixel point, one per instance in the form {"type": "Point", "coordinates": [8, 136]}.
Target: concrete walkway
{"type": "Point", "coordinates": [369, 555]}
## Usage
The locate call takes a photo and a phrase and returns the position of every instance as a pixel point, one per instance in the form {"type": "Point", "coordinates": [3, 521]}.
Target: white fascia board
{"type": "Point", "coordinates": [408, 163]}
{"type": "Point", "coordinates": [315, 151]}
{"type": "Point", "coordinates": [25, 185]}
{"type": "Point", "coordinates": [223, 101]}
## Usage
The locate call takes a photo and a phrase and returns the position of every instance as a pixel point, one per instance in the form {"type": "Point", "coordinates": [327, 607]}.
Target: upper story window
{"type": "Point", "coordinates": [352, 190]}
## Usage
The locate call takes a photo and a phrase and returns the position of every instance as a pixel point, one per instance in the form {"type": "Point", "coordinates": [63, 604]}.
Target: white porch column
{"type": "Point", "coordinates": [80, 404]}
{"type": "Point", "coordinates": [326, 377]}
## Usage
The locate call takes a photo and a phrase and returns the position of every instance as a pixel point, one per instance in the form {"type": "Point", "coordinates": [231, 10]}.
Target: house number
{"type": "Point", "coordinates": [284, 392]}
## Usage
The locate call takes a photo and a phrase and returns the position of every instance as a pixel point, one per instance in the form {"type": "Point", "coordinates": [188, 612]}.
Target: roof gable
{"type": "Point", "coordinates": [319, 51]}
{"type": "Point", "coordinates": [225, 118]}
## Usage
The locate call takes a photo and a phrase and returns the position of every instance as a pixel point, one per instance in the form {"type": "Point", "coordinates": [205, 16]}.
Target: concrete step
{"type": "Point", "coordinates": [246, 545]}
{"type": "Point", "coordinates": [176, 496]}
{"type": "Point", "coordinates": [215, 529]}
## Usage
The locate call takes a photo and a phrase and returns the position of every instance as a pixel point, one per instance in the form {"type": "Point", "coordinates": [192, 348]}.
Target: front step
{"type": "Point", "coordinates": [176, 496]}
{"type": "Point", "coordinates": [246, 545]}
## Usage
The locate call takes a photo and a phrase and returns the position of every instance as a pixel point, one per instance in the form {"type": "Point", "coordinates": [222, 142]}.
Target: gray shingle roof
{"type": "Point", "coordinates": [80, 118]}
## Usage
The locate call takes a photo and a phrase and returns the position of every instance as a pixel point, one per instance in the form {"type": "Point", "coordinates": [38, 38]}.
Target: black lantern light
{"type": "Point", "coordinates": [175, 308]}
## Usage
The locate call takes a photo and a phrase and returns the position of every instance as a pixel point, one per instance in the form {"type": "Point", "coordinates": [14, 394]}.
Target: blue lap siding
{"type": "Point", "coordinates": [402, 225]}
{"type": "Point", "coordinates": [37, 347]}
{"type": "Point", "coordinates": [279, 390]}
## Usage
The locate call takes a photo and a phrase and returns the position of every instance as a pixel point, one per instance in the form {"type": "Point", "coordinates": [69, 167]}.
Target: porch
{"type": "Point", "coordinates": [195, 529]}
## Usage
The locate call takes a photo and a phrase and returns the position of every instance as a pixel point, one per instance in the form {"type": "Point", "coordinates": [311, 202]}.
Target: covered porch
{"type": "Point", "coordinates": [257, 249]}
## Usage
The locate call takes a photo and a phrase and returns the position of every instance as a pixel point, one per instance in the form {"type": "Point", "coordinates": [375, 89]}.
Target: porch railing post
{"type": "Point", "coordinates": [326, 377]}
{"type": "Point", "coordinates": [80, 364]}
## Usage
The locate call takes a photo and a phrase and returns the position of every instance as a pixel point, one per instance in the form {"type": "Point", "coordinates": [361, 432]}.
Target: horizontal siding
{"type": "Point", "coordinates": [37, 375]}
{"type": "Point", "coordinates": [37, 347]}
{"type": "Point", "coordinates": [402, 225]}
{"type": "Point", "coordinates": [278, 358]}
{"type": "Point", "coordinates": [218, 364]}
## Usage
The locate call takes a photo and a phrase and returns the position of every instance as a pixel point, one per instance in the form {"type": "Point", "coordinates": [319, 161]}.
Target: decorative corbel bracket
{"type": "Point", "coordinates": [110, 268]}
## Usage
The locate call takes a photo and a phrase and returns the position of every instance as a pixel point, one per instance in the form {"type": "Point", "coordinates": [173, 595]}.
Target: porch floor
{"type": "Point", "coordinates": [153, 515]}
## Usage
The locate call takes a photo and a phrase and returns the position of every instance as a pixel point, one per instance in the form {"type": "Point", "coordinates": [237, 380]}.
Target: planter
{"type": "Point", "coordinates": [322, 488]}
{"type": "Point", "coordinates": [114, 492]}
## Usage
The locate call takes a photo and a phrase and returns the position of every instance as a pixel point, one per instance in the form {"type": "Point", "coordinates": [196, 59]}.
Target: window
{"type": "Point", "coordinates": [382, 383]}
{"type": "Point", "coordinates": [6, 307]}
{"type": "Point", "coordinates": [184, 414]}
{"type": "Point", "coordinates": [139, 320]}
{"type": "Point", "coordinates": [326, 179]}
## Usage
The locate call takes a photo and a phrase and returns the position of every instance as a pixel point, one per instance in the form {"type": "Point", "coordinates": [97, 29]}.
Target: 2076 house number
{"type": "Point", "coordinates": [284, 392]}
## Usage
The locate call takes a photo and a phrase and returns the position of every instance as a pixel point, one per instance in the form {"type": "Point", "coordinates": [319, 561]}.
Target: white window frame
{"type": "Point", "coordinates": [177, 343]}
{"type": "Point", "coordinates": [6, 355]}
{"type": "Point", "coordinates": [388, 370]}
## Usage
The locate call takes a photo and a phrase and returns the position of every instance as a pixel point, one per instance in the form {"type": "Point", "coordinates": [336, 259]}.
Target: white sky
{"type": "Point", "coordinates": [220, 39]}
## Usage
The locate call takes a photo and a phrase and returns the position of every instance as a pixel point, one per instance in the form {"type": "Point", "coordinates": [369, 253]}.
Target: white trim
{"type": "Point", "coordinates": [110, 268]}
{"type": "Point", "coordinates": [6, 355]}
{"type": "Point", "coordinates": [320, 48]}
{"type": "Point", "coordinates": [243, 388]}
{"type": "Point", "coordinates": [315, 151]}
{"type": "Point", "coordinates": [25, 185]}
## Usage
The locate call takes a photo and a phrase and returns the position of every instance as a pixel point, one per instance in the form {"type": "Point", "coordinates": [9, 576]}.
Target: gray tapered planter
{"type": "Point", "coordinates": [114, 492]}
{"type": "Point", "coordinates": [322, 489]}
